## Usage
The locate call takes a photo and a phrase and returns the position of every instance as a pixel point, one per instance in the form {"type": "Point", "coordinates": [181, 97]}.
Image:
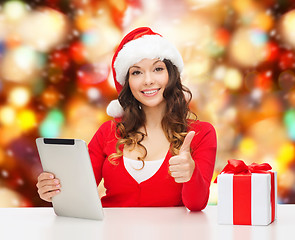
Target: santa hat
{"type": "Point", "coordinates": [139, 44]}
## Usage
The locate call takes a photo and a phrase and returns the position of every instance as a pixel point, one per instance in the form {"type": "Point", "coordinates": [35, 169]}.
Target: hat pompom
{"type": "Point", "coordinates": [115, 109]}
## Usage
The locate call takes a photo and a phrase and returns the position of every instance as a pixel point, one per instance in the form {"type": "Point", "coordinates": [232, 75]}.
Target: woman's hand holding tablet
{"type": "Point", "coordinates": [48, 186]}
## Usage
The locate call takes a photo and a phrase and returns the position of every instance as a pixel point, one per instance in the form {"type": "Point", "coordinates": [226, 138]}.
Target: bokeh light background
{"type": "Point", "coordinates": [55, 78]}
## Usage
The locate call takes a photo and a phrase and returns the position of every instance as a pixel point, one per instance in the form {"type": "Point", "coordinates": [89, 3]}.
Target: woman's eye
{"type": "Point", "coordinates": [158, 69]}
{"type": "Point", "coordinates": [135, 73]}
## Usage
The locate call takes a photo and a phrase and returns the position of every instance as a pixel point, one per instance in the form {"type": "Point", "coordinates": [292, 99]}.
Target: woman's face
{"type": "Point", "coordinates": [147, 80]}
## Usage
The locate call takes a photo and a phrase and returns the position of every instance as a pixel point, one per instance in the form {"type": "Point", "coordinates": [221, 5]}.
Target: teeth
{"type": "Point", "coordinates": [150, 92]}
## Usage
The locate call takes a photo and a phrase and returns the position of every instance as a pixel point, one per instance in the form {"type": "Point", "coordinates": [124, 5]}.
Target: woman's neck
{"type": "Point", "coordinates": [154, 116]}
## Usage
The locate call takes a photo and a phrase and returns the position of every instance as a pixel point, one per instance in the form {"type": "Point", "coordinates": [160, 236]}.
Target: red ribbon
{"type": "Point", "coordinates": [242, 188]}
{"type": "Point", "coordinates": [239, 167]}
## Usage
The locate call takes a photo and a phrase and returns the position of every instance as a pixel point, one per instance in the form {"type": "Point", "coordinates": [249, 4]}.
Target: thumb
{"type": "Point", "coordinates": [187, 142]}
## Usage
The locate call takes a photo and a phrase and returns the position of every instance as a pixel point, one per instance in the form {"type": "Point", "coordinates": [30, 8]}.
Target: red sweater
{"type": "Point", "coordinates": [161, 189]}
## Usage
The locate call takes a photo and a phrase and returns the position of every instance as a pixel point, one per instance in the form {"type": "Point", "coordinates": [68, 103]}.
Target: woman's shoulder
{"type": "Point", "coordinates": [108, 126]}
{"type": "Point", "coordinates": [197, 125]}
{"type": "Point", "coordinates": [205, 134]}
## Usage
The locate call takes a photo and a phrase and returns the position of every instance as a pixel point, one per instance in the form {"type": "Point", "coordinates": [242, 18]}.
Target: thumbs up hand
{"type": "Point", "coordinates": [182, 165]}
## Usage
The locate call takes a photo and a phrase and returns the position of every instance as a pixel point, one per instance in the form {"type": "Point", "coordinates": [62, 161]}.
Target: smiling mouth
{"type": "Point", "coordinates": [150, 92]}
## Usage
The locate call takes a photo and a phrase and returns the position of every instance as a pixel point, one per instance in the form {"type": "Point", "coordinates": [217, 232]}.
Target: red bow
{"type": "Point", "coordinates": [239, 167]}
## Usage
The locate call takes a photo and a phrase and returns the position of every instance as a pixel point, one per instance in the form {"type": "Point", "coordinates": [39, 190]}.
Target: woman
{"type": "Point", "coordinates": [151, 154]}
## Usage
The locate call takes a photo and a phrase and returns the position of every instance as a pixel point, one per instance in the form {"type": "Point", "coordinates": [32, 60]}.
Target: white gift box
{"type": "Point", "coordinates": [247, 199]}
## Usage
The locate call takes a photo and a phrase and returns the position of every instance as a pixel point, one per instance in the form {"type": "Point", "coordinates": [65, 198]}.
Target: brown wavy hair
{"type": "Point", "coordinates": [174, 122]}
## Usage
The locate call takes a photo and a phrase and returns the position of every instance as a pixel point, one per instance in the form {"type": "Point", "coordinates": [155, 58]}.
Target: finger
{"type": "Point", "coordinates": [184, 166]}
{"type": "Point", "coordinates": [187, 142]}
{"type": "Point", "coordinates": [176, 174]}
{"type": "Point", "coordinates": [180, 180]}
{"type": "Point", "coordinates": [45, 175]}
{"type": "Point", "coordinates": [177, 168]}
{"type": "Point", "coordinates": [49, 195]}
{"type": "Point", "coordinates": [48, 183]}
{"type": "Point", "coordinates": [175, 160]}
{"type": "Point", "coordinates": [47, 189]}
{"type": "Point", "coordinates": [173, 168]}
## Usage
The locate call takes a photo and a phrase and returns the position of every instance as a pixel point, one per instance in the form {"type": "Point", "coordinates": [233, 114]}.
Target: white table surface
{"type": "Point", "coordinates": [139, 223]}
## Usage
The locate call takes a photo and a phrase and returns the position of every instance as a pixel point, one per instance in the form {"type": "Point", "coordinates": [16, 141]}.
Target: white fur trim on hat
{"type": "Point", "coordinates": [115, 109]}
{"type": "Point", "coordinates": [147, 46]}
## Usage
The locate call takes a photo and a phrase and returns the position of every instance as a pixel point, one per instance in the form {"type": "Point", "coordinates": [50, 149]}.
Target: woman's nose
{"type": "Point", "coordinates": [148, 79]}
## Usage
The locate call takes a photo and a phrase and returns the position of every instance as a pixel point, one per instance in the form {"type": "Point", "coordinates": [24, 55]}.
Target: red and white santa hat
{"type": "Point", "coordinates": [139, 44]}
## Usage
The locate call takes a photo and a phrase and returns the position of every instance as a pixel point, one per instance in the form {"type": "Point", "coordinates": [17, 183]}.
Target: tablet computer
{"type": "Point", "coordinates": [69, 161]}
